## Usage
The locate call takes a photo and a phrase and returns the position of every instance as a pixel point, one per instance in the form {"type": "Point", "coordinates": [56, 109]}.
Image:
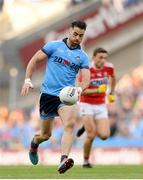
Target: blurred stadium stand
{"type": "Point", "coordinates": [115, 25]}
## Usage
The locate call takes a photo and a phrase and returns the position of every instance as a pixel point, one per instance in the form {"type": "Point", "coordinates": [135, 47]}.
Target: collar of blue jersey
{"type": "Point", "coordinates": [76, 47]}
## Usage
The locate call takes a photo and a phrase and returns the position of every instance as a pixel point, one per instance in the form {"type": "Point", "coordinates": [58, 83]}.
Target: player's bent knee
{"type": "Point", "coordinates": [91, 135]}
{"type": "Point", "coordinates": [69, 126]}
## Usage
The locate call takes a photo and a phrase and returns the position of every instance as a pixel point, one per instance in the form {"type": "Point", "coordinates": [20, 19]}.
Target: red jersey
{"type": "Point", "coordinates": [98, 77]}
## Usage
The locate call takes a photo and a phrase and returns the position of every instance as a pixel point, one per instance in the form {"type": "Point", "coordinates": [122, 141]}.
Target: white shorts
{"type": "Point", "coordinates": [98, 111]}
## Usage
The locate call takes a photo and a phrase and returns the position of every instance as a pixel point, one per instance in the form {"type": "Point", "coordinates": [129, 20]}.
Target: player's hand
{"type": "Point", "coordinates": [102, 88]}
{"type": "Point", "coordinates": [111, 98]}
{"type": "Point", "coordinates": [26, 87]}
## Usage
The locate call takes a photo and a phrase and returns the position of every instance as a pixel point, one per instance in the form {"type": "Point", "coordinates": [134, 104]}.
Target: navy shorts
{"type": "Point", "coordinates": [49, 106]}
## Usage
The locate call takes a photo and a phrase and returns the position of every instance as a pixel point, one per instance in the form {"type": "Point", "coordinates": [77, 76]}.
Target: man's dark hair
{"type": "Point", "coordinates": [99, 50]}
{"type": "Point", "coordinates": [79, 24]}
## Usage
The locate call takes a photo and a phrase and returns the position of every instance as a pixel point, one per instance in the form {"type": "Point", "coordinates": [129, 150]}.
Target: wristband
{"type": "Point", "coordinates": [28, 81]}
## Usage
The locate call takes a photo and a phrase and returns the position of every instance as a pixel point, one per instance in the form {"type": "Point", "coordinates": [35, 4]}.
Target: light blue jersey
{"type": "Point", "coordinates": [62, 66]}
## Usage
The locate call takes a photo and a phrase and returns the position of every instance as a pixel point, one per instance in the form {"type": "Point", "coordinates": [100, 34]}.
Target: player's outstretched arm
{"type": "Point", "coordinates": [38, 57]}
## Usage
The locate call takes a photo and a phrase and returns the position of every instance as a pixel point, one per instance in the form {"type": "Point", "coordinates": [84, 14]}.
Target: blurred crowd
{"type": "Point", "coordinates": [17, 127]}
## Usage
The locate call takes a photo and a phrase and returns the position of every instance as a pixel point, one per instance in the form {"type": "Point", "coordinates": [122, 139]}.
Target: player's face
{"type": "Point", "coordinates": [76, 35]}
{"type": "Point", "coordinates": [100, 59]}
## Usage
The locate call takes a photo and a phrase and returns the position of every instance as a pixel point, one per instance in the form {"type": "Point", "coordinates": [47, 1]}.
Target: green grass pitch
{"type": "Point", "coordinates": [50, 172]}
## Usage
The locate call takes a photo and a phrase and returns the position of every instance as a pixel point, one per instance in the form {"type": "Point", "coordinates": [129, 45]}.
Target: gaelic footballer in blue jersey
{"type": "Point", "coordinates": [64, 59]}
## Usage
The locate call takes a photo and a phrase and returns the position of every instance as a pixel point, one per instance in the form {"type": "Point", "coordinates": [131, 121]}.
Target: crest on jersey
{"type": "Point", "coordinates": [99, 74]}
{"type": "Point", "coordinates": [78, 58]}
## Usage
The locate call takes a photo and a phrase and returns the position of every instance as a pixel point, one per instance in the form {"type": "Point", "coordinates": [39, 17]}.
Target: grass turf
{"type": "Point", "coordinates": [50, 172]}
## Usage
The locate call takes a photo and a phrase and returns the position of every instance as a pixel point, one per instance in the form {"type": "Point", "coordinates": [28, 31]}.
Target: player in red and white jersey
{"type": "Point", "coordinates": [93, 109]}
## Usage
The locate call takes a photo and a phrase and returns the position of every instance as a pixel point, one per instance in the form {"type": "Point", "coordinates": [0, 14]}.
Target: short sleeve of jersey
{"type": "Point", "coordinates": [49, 48]}
{"type": "Point", "coordinates": [85, 62]}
